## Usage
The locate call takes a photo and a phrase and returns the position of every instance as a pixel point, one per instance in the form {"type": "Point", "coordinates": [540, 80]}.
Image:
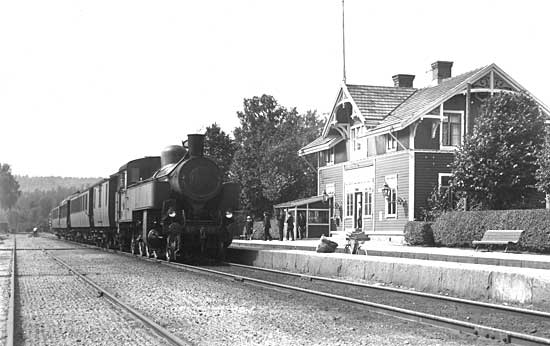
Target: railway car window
{"type": "Point", "coordinates": [123, 180]}
{"type": "Point", "coordinates": [99, 199]}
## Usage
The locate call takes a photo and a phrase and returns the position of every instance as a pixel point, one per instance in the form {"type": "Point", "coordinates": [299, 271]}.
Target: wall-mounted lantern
{"type": "Point", "coordinates": [386, 191]}
{"type": "Point", "coordinates": [325, 196]}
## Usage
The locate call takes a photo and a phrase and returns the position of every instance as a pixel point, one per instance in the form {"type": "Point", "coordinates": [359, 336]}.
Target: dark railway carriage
{"type": "Point", "coordinates": [103, 212]}
{"type": "Point", "coordinates": [63, 221]}
{"type": "Point", "coordinates": [80, 214]}
{"type": "Point", "coordinates": [54, 219]}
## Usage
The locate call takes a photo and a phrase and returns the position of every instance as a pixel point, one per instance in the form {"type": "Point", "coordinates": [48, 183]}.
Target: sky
{"type": "Point", "coordinates": [86, 86]}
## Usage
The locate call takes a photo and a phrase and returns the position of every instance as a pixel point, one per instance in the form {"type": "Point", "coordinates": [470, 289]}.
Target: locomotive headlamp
{"type": "Point", "coordinates": [171, 212]}
{"type": "Point", "coordinates": [228, 214]}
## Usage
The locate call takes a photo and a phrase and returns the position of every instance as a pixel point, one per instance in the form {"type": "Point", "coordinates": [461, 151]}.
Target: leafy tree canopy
{"type": "Point", "coordinates": [495, 168]}
{"type": "Point", "coordinates": [219, 147]}
{"type": "Point", "coordinates": [9, 187]}
{"type": "Point", "coordinates": [543, 172]}
{"type": "Point", "coordinates": [266, 162]}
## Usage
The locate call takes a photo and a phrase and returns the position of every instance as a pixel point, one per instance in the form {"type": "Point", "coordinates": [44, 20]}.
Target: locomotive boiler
{"type": "Point", "coordinates": [171, 206]}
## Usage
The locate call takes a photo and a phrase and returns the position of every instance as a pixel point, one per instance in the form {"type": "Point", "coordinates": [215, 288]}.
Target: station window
{"type": "Point", "coordinates": [318, 216]}
{"type": "Point", "coordinates": [355, 136]}
{"type": "Point", "coordinates": [349, 204]}
{"type": "Point", "coordinates": [391, 200]}
{"type": "Point", "coordinates": [326, 157]}
{"type": "Point", "coordinates": [391, 143]}
{"type": "Point", "coordinates": [451, 128]}
{"type": "Point", "coordinates": [368, 203]}
{"type": "Point", "coordinates": [444, 182]}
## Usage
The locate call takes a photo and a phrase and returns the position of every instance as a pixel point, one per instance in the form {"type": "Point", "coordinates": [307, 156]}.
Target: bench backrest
{"type": "Point", "coordinates": [502, 235]}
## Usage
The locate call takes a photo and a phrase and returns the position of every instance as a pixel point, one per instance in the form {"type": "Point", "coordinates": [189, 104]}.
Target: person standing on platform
{"type": "Point", "coordinates": [267, 226]}
{"type": "Point", "coordinates": [248, 228]}
{"type": "Point", "coordinates": [301, 226]}
{"type": "Point", "coordinates": [281, 223]}
{"type": "Point", "coordinates": [290, 226]}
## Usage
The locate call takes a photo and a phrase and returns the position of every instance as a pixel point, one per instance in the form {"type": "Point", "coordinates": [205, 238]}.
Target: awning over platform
{"type": "Point", "coordinates": [320, 144]}
{"type": "Point", "coordinates": [299, 202]}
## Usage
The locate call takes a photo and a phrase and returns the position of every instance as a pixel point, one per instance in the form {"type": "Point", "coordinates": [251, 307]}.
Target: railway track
{"type": "Point", "coordinates": [463, 307]}
{"type": "Point", "coordinates": [470, 310]}
{"type": "Point", "coordinates": [22, 328]}
{"type": "Point", "coordinates": [455, 314]}
{"type": "Point", "coordinates": [10, 323]}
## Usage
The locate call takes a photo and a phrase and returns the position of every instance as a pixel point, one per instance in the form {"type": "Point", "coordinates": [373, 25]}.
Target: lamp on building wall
{"type": "Point", "coordinates": [386, 191]}
{"type": "Point", "coordinates": [325, 196]}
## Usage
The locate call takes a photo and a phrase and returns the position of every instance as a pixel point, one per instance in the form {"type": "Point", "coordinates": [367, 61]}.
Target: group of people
{"type": "Point", "coordinates": [301, 234]}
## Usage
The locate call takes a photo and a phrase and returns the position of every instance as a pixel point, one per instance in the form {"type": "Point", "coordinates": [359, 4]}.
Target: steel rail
{"type": "Point", "coordinates": [147, 321]}
{"type": "Point", "coordinates": [444, 322]}
{"type": "Point", "coordinates": [449, 323]}
{"type": "Point", "coordinates": [48, 249]}
{"type": "Point", "coordinates": [537, 313]}
{"type": "Point", "coordinates": [10, 323]}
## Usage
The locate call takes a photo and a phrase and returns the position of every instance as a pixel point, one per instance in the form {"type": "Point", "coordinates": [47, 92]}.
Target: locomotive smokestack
{"type": "Point", "coordinates": [195, 143]}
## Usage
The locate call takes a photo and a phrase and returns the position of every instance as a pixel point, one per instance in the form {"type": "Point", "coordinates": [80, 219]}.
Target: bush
{"type": "Point", "coordinates": [419, 233]}
{"type": "Point", "coordinates": [459, 229]}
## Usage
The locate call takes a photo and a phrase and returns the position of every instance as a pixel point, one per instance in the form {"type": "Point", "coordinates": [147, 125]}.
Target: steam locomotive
{"type": "Point", "coordinates": [173, 206]}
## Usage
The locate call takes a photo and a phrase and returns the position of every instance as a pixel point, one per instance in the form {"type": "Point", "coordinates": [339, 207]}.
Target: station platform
{"type": "Point", "coordinates": [498, 276]}
{"type": "Point", "coordinates": [386, 249]}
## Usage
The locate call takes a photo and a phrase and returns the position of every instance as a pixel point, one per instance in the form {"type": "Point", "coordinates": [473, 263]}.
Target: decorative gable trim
{"type": "Point", "coordinates": [342, 98]}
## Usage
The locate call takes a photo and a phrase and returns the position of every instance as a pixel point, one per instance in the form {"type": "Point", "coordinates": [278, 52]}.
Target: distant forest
{"type": "Point", "coordinates": [39, 195]}
{"type": "Point", "coordinates": [30, 184]}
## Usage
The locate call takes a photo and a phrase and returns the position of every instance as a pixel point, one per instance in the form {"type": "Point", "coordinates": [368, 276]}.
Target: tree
{"type": "Point", "coordinates": [543, 172]}
{"type": "Point", "coordinates": [266, 161]}
{"type": "Point", "coordinates": [219, 147]}
{"type": "Point", "coordinates": [9, 187]}
{"type": "Point", "coordinates": [495, 168]}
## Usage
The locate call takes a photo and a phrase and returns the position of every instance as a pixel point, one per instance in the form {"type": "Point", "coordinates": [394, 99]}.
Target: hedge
{"type": "Point", "coordinates": [419, 233]}
{"type": "Point", "coordinates": [459, 229]}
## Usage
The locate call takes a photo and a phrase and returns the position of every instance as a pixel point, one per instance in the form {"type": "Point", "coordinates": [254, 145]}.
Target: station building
{"type": "Point", "coordinates": [384, 149]}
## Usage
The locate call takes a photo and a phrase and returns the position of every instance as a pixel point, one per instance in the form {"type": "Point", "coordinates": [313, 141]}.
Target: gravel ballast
{"type": "Point", "coordinates": [209, 310]}
{"type": "Point", "coordinates": [53, 307]}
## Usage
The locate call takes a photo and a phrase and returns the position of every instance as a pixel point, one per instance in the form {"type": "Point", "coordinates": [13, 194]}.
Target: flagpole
{"type": "Point", "coordinates": [343, 42]}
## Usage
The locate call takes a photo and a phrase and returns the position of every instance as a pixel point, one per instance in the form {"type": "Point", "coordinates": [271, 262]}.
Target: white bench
{"type": "Point", "coordinates": [499, 237]}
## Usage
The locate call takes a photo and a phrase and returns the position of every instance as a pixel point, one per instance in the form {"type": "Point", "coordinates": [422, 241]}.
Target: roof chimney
{"type": "Point", "coordinates": [403, 80]}
{"type": "Point", "coordinates": [441, 70]}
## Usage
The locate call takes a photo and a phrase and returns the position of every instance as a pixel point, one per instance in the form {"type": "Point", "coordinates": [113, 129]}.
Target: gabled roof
{"type": "Point", "coordinates": [383, 109]}
{"type": "Point", "coordinates": [425, 97]}
{"type": "Point", "coordinates": [424, 100]}
{"type": "Point", "coordinates": [378, 101]}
